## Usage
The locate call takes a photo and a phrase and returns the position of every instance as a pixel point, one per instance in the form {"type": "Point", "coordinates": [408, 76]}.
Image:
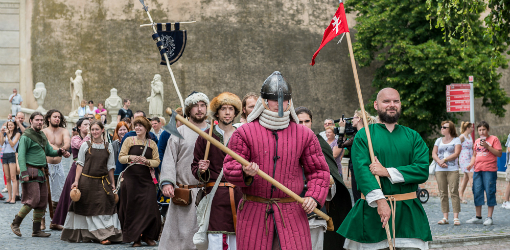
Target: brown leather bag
{"type": "Point", "coordinates": [182, 196]}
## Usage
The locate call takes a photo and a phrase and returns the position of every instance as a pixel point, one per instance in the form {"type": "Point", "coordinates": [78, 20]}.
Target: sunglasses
{"type": "Point", "coordinates": [443, 127]}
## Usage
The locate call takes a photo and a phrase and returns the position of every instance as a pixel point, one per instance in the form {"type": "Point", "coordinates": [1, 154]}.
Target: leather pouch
{"type": "Point", "coordinates": [182, 197]}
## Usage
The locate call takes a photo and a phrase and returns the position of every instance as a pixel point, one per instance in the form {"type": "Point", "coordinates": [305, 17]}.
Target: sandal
{"type": "Point", "coordinates": [463, 201]}
{"type": "Point", "coordinates": [106, 242]}
{"type": "Point", "coordinates": [456, 222]}
{"type": "Point", "coordinates": [443, 221]}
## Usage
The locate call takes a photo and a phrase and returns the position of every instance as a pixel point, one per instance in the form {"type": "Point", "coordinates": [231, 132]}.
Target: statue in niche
{"type": "Point", "coordinates": [76, 91]}
{"type": "Point", "coordinates": [40, 95]}
{"type": "Point", "coordinates": [156, 98]}
{"type": "Point", "coordinates": [112, 105]}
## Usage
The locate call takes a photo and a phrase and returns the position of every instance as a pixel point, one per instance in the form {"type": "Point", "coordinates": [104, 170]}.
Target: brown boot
{"type": "Point", "coordinates": [43, 224]}
{"type": "Point", "coordinates": [55, 226]}
{"type": "Point", "coordinates": [15, 225]}
{"type": "Point", "coordinates": [36, 231]}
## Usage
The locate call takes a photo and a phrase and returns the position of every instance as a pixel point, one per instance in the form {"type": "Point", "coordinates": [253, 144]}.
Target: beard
{"type": "Point", "coordinates": [196, 119]}
{"type": "Point", "coordinates": [54, 125]}
{"type": "Point", "coordinates": [386, 118]}
{"type": "Point", "coordinates": [225, 122]}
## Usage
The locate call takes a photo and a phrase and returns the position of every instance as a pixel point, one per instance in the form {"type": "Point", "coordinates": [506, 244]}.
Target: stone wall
{"type": "Point", "coordinates": [233, 47]}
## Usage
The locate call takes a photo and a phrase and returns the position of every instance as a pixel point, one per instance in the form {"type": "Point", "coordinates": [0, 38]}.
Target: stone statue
{"type": "Point", "coordinates": [76, 91]}
{"type": "Point", "coordinates": [112, 105]}
{"type": "Point", "coordinates": [156, 98]}
{"type": "Point", "coordinates": [40, 95]}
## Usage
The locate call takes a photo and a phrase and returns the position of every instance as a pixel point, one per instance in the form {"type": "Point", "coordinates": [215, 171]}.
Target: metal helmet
{"type": "Point", "coordinates": [277, 89]}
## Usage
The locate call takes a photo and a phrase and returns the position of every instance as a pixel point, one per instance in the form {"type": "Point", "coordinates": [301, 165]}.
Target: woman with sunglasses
{"type": "Point", "coordinates": [446, 152]}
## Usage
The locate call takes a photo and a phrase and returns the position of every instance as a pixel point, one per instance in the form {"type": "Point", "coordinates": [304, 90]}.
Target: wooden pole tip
{"type": "Point", "coordinates": [168, 111]}
{"type": "Point", "coordinates": [331, 226]}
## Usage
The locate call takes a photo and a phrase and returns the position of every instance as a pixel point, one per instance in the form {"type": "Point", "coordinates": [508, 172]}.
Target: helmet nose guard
{"type": "Point", "coordinates": [277, 89]}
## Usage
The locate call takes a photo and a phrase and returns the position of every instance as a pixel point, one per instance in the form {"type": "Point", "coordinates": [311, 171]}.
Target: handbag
{"type": "Point", "coordinates": [182, 196]}
{"type": "Point", "coordinates": [432, 168]}
{"type": "Point", "coordinates": [203, 214]}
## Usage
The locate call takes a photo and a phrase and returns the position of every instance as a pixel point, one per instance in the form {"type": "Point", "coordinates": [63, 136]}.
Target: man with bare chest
{"type": "Point", "coordinates": [58, 137]}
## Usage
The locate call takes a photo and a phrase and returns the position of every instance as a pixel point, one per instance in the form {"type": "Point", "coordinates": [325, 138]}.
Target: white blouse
{"type": "Point", "coordinates": [84, 150]}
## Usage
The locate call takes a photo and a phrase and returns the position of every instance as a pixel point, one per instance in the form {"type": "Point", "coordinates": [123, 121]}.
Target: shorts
{"type": "Point", "coordinates": [485, 181]}
{"type": "Point", "coordinates": [507, 177]}
{"type": "Point", "coordinates": [9, 158]}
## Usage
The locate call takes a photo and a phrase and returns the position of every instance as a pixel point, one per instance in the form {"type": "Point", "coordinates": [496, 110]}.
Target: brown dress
{"type": "Point", "coordinates": [94, 217]}
{"type": "Point", "coordinates": [138, 210]}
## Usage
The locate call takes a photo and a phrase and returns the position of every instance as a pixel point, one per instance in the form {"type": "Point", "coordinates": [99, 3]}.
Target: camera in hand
{"type": "Point", "coordinates": [348, 130]}
{"type": "Point", "coordinates": [342, 132]}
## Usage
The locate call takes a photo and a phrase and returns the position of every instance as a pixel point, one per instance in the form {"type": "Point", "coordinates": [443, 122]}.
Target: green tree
{"type": "Point", "coordinates": [419, 63]}
{"type": "Point", "coordinates": [451, 18]}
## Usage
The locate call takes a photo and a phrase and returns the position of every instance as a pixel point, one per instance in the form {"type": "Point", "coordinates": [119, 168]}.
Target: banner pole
{"type": "Point", "coordinates": [365, 123]}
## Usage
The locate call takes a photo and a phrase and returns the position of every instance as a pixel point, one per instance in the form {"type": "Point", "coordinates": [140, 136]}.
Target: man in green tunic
{"type": "Point", "coordinates": [32, 151]}
{"type": "Point", "coordinates": [402, 160]}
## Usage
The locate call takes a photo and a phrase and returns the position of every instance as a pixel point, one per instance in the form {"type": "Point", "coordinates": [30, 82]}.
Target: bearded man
{"type": "Point", "coordinates": [58, 137]}
{"type": "Point", "coordinates": [221, 232]}
{"type": "Point", "coordinates": [181, 219]}
{"type": "Point", "coordinates": [273, 142]}
{"type": "Point", "coordinates": [401, 162]}
{"type": "Point", "coordinates": [32, 151]}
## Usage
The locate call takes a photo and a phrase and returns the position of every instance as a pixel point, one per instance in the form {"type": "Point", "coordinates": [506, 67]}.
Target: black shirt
{"type": "Point", "coordinates": [125, 113]}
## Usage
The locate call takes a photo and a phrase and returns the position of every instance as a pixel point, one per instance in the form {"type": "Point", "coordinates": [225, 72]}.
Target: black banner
{"type": "Point", "coordinates": [173, 40]}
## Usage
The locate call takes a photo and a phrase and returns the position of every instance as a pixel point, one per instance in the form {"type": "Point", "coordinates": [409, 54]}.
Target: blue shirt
{"type": "Point", "coordinates": [120, 167]}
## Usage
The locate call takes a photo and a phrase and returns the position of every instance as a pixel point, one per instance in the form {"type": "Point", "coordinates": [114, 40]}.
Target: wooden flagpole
{"type": "Point", "coordinates": [365, 124]}
{"type": "Point", "coordinates": [208, 146]}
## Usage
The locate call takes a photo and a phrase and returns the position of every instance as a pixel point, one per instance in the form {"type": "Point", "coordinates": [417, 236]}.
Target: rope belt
{"type": "Point", "coordinates": [99, 177]}
{"type": "Point", "coordinates": [269, 202]}
{"type": "Point", "coordinates": [232, 198]}
{"type": "Point", "coordinates": [393, 205]}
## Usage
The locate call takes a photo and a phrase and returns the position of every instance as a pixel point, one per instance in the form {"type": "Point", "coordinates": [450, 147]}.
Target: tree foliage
{"type": "Point", "coordinates": [451, 17]}
{"type": "Point", "coordinates": [419, 63]}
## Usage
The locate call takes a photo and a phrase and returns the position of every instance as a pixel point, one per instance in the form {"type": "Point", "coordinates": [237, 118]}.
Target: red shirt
{"type": "Point", "coordinates": [485, 160]}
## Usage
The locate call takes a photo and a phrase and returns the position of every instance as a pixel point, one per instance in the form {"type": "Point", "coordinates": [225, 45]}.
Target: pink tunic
{"type": "Point", "coordinates": [298, 149]}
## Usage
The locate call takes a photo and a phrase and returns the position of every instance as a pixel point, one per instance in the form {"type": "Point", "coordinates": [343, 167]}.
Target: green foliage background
{"type": "Point", "coordinates": [419, 63]}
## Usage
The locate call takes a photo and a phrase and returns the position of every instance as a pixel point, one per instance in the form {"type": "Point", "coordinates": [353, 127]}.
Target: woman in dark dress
{"type": "Point", "coordinates": [59, 218]}
{"type": "Point", "coordinates": [94, 217]}
{"type": "Point", "coordinates": [139, 213]}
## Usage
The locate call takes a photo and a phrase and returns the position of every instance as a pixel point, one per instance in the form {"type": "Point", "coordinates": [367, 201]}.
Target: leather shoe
{"type": "Point", "coordinates": [56, 227]}
{"type": "Point", "coordinates": [137, 244]}
{"type": "Point", "coordinates": [148, 241]}
{"type": "Point", "coordinates": [18, 198]}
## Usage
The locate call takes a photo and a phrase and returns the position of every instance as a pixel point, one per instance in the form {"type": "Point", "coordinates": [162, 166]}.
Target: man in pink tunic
{"type": "Point", "coordinates": [275, 143]}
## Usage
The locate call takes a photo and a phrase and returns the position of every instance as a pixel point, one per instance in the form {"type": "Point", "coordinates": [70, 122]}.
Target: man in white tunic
{"type": "Point", "coordinates": [181, 222]}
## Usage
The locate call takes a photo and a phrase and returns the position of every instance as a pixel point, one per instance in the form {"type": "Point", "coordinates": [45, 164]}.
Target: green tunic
{"type": "Point", "coordinates": [405, 150]}
{"type": "Point", "coordinates": [32, 153]}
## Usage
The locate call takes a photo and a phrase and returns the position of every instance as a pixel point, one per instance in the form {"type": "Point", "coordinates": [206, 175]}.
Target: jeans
{"type": "Point", "coordinates": [485, 181]}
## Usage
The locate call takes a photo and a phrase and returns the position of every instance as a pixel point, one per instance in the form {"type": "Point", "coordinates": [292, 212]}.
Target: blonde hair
{"type": "Point", "coordinates": [162, 120]}
{"type": "Point", "coordinates": [464, 126]}
{"type": "Point", "coordinates": [370, 119]}
{"type": "Point", "coordinates": [331, 127]}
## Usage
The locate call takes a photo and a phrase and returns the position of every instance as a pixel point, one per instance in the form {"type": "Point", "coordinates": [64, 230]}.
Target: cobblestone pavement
{"type": "Point", "coordinates": [501, 218]}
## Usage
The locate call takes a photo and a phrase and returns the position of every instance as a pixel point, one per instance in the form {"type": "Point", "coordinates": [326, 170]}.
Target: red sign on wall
{"type": "Point", "coordinates": [458, 97]}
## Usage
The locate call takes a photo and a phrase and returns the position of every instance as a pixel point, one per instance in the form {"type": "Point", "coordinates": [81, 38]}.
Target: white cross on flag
{"type": "Point", "coordinates": [337, 27]}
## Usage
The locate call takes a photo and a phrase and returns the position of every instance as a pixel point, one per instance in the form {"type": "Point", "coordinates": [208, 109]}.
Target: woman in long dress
{"type": "Point", "coordinates": [94, 217]}
{"type": "Point", "coordinates": [59, 218]}
{"type": "Point", "coordinates": [138, 210]}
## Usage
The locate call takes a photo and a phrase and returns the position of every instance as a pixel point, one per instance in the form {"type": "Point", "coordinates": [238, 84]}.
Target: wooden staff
{"type": "Point", "coordinates": [244, 162]}
{"type": "Point", "coordinates": [365, 124]}
{"type": "Point", "coordinates": [50, 204]}
{"type": "Point", "coordinates": [208, 146]}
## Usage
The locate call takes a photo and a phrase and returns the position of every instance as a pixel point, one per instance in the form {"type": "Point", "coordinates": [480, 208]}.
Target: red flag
{"type": "Point", "coordinates": [337, 27]}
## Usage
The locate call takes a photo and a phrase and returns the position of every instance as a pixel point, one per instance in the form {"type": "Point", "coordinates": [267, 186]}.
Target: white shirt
{"type": "Point", "coordinates": [16, 100]}
{"type": "Point", "coordinates": [88, 111]}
